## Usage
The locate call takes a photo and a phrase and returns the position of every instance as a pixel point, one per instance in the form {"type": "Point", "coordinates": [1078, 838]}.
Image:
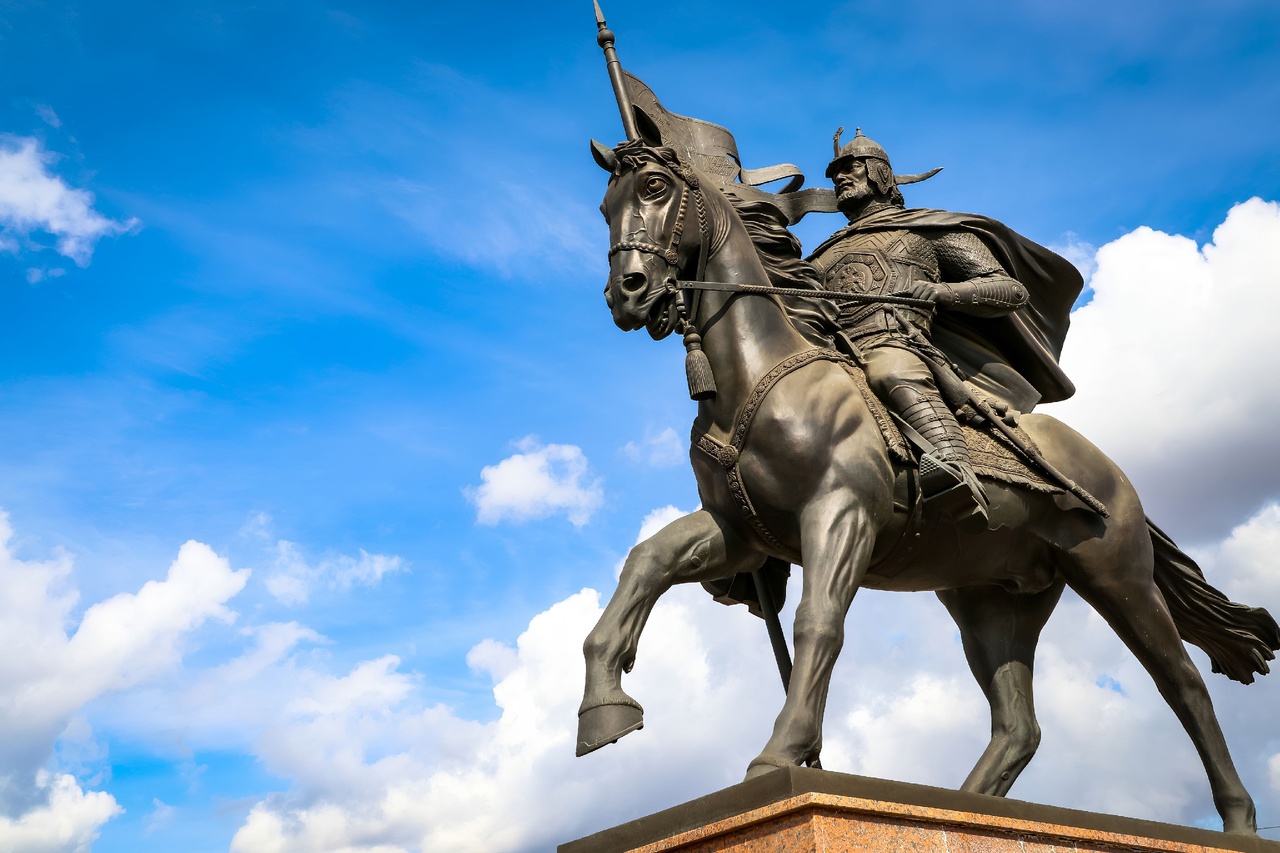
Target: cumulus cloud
{"type": "Point", "coordinates": [1174, 360]}
{"type": "Point", "coordinates": [662, 450]}
{"type": "Point", "coordinates": [34, 201]}
{"type": "Point", "coordinates": [67, 822]}
{"type": "Point", "coordinates": [430, 780]}
{"type": "Point", "coordinates": [538, 482]}
{"type": "Point", "coordinates": [1246, 560]}
{"type": "Point", "coordinates": [117, 644]}
{"type": "Point", "coordinates": [902, 706]}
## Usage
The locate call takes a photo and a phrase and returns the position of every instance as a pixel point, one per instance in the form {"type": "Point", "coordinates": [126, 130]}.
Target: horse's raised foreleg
{"type": "Point", "coordinates": [1000, 630]}
{"type": "Point", "coordinates": [1121, 588]}
{"type": "Point", "coordinates": [696, 547]}
{"type": "Point", "coordinates": [837, 541]}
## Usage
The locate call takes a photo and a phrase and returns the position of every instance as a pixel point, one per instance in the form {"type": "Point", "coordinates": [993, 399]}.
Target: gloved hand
{"type": "Point", "coordinates": [919, 289]}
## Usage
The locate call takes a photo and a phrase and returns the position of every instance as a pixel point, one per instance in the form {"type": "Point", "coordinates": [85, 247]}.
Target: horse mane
{"type": "Point", "coordinates": [780, 254]}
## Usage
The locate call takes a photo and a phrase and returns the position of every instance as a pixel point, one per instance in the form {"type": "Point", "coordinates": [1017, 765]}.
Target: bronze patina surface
{"type": "Point", "coordinates": [946, 317]}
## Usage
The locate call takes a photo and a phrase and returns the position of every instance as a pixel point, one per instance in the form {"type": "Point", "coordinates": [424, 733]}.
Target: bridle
{"type": "Point", "coordinates": [671, 253]}
{"type": "Point", "coordinates": [686, 303]}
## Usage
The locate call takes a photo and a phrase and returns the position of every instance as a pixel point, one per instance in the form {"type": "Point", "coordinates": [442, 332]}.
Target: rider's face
{"type": "Point", "coordinates": [851, 181]}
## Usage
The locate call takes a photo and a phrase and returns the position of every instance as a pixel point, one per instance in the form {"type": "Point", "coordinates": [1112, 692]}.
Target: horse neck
{"type": "Point", "coordinates": [743, 335]}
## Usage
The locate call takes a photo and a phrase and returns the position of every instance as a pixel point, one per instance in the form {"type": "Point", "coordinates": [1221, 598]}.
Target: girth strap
{"type": "Point", "coordinates": [727, 455]}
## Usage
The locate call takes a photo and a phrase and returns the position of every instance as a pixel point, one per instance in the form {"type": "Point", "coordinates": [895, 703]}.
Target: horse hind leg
{"type": "Point", "coordinates": [1000, 631]}
{"type": "Point", "coordinates": [1118, 582]}
{"type": "Point", "coordinates": [695, 547]}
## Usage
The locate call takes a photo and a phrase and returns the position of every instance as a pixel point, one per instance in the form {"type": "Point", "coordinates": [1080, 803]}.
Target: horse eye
{"type": "Point", "coordinates": [654, 186]}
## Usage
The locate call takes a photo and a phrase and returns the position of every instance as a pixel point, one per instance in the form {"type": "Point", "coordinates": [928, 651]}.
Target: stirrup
{"type": "Point", "coordinates": [951, 487]}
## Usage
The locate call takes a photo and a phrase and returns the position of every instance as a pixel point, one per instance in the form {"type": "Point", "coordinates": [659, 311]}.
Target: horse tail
{"type": "Point", "coordinates": [1239, 639]}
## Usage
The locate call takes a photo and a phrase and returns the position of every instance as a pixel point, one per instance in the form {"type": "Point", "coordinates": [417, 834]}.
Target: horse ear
{"type": "Point", "coordinates": [604, 157]}
{"type": "Point", "coordinates": [650, 133]}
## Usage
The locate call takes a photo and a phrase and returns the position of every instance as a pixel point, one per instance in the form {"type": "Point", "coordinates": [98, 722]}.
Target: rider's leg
{"type": "Point", "coordinates": [695, 547]}
{"type": "Point", "coordinates": [999, 631]}
{"type": "Point", "coordinates": [905, 383]}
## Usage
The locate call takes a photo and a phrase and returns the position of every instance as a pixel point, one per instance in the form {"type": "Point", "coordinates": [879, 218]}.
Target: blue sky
{"type": "Point", "coordinates": [338, 260]}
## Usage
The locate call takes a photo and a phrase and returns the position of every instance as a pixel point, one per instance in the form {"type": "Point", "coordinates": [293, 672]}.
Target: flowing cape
{"type": "Point", "coordinates": [1015, 356]}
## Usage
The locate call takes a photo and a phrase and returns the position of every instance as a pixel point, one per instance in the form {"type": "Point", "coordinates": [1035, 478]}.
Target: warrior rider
{"type": "Point", "coordinates": [1003, 301]}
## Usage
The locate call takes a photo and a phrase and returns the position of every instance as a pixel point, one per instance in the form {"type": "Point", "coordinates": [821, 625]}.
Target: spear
{"type": "Point", "coordinates": [604, 38]}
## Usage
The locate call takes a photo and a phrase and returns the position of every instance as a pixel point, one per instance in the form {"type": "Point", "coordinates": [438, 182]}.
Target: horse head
{"type": "Point", "coordinates": [647, 206]}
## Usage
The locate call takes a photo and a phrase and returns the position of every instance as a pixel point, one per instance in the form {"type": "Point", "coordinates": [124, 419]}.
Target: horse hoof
{"type": "Point", "coordinates": [605, 724]}
{"type": "Point", "coordinates": [759, 768]}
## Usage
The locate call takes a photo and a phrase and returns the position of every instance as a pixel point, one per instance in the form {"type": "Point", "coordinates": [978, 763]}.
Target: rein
{"type": "Point", "coordinates": [766, 289]}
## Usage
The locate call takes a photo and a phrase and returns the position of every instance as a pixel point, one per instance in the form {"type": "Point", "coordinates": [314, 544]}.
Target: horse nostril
{"type": "Point", "coordinates": [632, 283]}
{"type": "Point", "coordinates": [608, 296]}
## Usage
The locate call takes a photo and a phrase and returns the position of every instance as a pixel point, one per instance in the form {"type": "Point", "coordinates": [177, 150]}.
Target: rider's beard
{"type": "Point", "coordinates": [853, 194]}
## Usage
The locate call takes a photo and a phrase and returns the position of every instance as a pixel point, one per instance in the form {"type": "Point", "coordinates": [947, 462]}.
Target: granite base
{"type": "Point", "coordinates": [797, 810]}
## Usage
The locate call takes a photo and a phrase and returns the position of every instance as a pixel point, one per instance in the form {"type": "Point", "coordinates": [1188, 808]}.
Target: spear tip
{"type": "Point", "coordinates": [599, 14]}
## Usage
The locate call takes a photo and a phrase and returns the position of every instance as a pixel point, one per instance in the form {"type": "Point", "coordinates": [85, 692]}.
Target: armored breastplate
{"type": "Point", "coordinates": [877, 263]}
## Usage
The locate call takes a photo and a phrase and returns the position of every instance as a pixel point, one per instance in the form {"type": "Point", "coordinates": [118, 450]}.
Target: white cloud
{"type": "Point", "coordinates": [119, 643]}
{"type": "Point", "coordinates": [293, 578]}
{"type": "Point", "coordinates": [1245, 560]}
{"type": "Point", "coordinates": [538, 482]}
{"type": "Point", "coordinates": [663, 450]}
{"type": "Point", "coordinates": [67, 822]}
{"type": "Point", "coordinates": [34, 200]}
{"type": "Point", "coordinates": [1174, 360]}
{"type": "Point", "coordinates": [499, 785]}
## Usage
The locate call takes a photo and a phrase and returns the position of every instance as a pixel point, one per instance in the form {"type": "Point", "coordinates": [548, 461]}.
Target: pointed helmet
{"type": "Point", "coordinates": [863, 148]}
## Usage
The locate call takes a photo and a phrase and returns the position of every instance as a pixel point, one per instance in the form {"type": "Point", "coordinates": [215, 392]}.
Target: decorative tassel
{"type": "Point", "coordinates": [702, 383]}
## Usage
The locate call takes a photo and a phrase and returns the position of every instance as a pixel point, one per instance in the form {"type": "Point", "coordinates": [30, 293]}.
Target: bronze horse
{"type": "Point", "coordinates": [820, 480]}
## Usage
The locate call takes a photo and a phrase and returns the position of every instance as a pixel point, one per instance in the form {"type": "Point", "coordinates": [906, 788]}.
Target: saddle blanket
{"type": "Point", "coordinates": [993, 456]}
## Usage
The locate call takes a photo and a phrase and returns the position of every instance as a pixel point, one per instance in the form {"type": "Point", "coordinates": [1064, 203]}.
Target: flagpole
{"type": "Point", "coordinates": [604, 38]}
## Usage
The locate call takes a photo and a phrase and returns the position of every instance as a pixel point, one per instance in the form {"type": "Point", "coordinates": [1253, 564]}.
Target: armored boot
{"type": "Point", "coordinates": [947, 480]}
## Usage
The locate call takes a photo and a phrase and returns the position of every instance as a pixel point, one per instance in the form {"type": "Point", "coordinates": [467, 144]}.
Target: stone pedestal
{"type": "Point", "coordinates": [812, 811]}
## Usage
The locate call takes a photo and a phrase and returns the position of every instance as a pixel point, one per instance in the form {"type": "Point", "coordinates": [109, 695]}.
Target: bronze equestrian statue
{"type": "Point", "coordinates": [796, 460]}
